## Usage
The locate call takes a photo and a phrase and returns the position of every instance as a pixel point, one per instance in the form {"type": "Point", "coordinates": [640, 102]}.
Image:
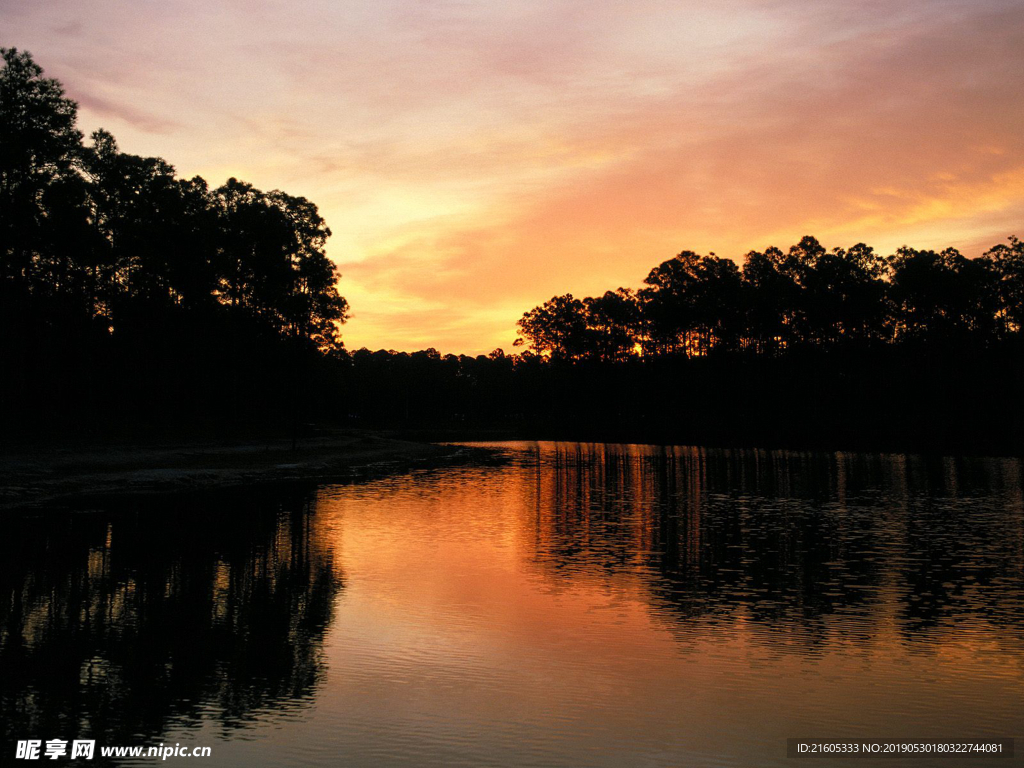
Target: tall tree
{"type": "Point", "coordinates": [39, 152]}
{"type": "Point", "coordinates": [772, 301]}
{"type": "Point", "coordinates": [557, 328]}
{"type": "Point", "coordinates": [692, 303]}
{"type": "Point", "coordinates": [613, 324]}
{"type": "Point", "coordinates": [844, 296]}
{"type": "Point", "coordinates": [943, 297]}
{"type": "Point", "coordinates": [1008, 264]}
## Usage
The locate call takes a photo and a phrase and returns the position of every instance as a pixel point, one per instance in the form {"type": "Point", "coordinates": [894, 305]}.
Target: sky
{"type": "Point", "coordinates": [475, 158]}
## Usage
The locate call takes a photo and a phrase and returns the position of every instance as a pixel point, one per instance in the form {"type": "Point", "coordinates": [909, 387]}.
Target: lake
{"type": "Point", "coordinates": [534, 604]}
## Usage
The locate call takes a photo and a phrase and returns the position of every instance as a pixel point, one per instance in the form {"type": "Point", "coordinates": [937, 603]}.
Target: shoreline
{"type": "Point", "coordinates": [47, 475]}
{"type": "Point", "coordinates": [41, 476]}
{"type": "Point", "coordinates": [972, 449]}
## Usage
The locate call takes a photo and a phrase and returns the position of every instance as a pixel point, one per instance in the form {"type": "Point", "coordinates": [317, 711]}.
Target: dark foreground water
{"type": "Point", "coordinates": [563, 605]}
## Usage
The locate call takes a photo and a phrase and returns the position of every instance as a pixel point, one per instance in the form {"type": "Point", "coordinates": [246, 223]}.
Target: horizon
{"type": "Point", "coordinates": [474, 161]}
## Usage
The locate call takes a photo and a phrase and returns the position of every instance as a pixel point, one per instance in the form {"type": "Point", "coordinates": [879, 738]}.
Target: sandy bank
{"type": "Point", "coordinates": [43, 475]}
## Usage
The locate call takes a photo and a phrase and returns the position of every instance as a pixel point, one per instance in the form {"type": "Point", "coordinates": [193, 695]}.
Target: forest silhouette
{"type": "Point", "coordinates": [132, 298]}
{"type": "Point", "coordinates": [128, 293]}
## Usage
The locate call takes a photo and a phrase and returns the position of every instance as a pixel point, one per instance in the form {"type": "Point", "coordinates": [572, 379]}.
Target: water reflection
{"type": "Point", "coordinates": [115, 625]}
{"type": "Point", "coordinates": [789, 541]}
{"type": "Point", "coordinates": [557, 605]}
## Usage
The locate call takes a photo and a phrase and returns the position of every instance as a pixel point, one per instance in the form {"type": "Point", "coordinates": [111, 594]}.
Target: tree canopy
{"type": "Point", "coordinates": [778, 301]}
{"type": "Point", "coordinates": [110, 262]}
{"type": "Point", "coordinates": [104, 230]}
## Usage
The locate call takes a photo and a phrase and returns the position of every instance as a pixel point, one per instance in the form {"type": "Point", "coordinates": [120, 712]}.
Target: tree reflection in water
{"type": "Point", "coordinates": [115, 625]}
{"type": "Point", "coordinates": [810, 548]}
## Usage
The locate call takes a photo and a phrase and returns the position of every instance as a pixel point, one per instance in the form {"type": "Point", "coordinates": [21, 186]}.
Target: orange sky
{"type": "Point", "coordinates": [475, 158]}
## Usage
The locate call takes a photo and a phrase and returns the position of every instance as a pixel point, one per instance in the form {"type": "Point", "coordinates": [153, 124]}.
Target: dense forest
{"type": "Point", "coordinates": [127, 293]}
{"type": "Point", "coordinates": [131, 298]}
{"type": "Point", "coordinates": [780, 301]}
{"type": "Point", "coordinates": [804, 347]}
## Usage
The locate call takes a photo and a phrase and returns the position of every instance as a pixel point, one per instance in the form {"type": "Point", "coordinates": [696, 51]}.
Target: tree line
{"type": "Point", "coordinates": [919, 350]}
{"type": "Point", "coordinates": [779, 301]}
{"type": "Point", "coordinates": [131, 298]}
{"type": "Point", "coordinates": [123, 285]}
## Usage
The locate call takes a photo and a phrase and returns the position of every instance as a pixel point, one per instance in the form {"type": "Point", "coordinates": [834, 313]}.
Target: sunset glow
{"type": "Point", "coordinates": [473, 159]}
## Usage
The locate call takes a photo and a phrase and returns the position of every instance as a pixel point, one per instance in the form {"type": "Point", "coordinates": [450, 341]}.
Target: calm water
{"type": "Point", "coordinates": [556, 605]}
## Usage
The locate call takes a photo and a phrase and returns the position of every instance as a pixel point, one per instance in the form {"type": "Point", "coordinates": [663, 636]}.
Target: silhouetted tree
{"type": "Point", "coordinates": [40, 149]}
{"type": "Point", "coordinates": [772, 298]}
{"type": "Point", "coordinates": [613, 324]}
{"type": "Point", "coordinates": [693, 304]}
{"type": "Point", "coordinates": [274, 265]}
{"type": "Point", "coordinates": [808, 297]}
{"type": "Point", "coordinates": [557, 328]}
{"type": "Point", "coordinates": [1008, 262]}
{"type": "Point", "coordinates": [122, 284]}
{"type": "Point", "coordinates": [844, 296]}
{"type": "Point", "coordinates": [943, 297]}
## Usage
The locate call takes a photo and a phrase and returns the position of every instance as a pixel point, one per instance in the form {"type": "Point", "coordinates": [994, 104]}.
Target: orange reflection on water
{"type": "Point", "coordinates": [630, 603]}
